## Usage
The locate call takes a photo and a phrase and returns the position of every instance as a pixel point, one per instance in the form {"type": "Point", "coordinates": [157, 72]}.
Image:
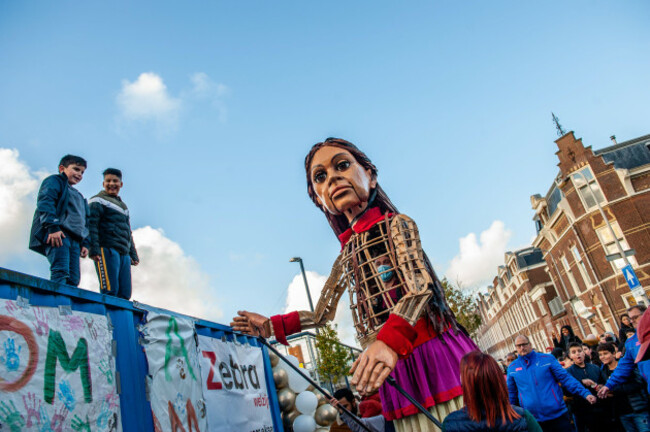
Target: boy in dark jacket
{"type": "Point", "coordinates": [60, 225]}
{"type": "Point", "coordinates": [111, 241]}
{"type": "Point", "coordinates": [588, 417]}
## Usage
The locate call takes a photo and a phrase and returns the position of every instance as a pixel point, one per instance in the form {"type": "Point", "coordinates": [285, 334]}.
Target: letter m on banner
{"type": "Point", "coordinates": [56, 350]}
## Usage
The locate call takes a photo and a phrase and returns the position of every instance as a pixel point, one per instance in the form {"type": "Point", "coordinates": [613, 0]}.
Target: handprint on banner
{"type": "Point", "coordinates": [79, 425]}
{"type": "Point", "coordinates": [58, 419]}
{"type": "Point", "coordinates": [105, 369]}
{"type": "Point", "coordinates": [90, 323]}
{"type": "Point", "coordinates": [180, 405]}
{"type": "Point", "coordinates": [42, 327]}
{"type": "Point", "coordinates": [201, 405]}
{"type": "Point", "coordinates": [32, 406]}
{"type": "Point", "coordinates": [74, 323]}
{"type": "Point", "coordinates": [104, 416]}
{"type": "Point", "coordinates": [113, 401]}
{"type": "Point", "coordinates": [66, 395]}
{"type": "Point", "coordinates": [11, 359]}
{"type": "Point", "coordinates": [11, 307]}
{"type": "Point", "coordinates": [180, 365]}
{"type": "Point", "coordinates": [11, 417]}
{"type": "Point", "coordinates": [54, 425]}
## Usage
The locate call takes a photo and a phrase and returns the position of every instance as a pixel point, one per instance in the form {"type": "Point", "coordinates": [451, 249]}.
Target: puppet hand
{"type": "Point", "coordinates": [372, 367]}
{"type": "Point", "coordinates": [252, 324]}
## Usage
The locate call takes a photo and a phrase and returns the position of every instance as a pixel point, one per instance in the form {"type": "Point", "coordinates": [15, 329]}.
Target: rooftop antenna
{"type": "Point", "coordinates": [558, 126]}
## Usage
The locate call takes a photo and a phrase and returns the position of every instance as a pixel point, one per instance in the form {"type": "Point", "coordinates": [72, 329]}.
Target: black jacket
{"type": "Point", "coordinates": [51, 204]}
{"type": "Point", "coordinates": [632, 392]}
{"type": "Point", "coordinates": [110, 226]}
{"type": "Point", "coordinates": [580, 406]}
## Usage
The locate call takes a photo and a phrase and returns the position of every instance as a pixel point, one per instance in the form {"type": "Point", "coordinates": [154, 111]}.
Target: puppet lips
{"type": "Point", "coordinates": [339, 190]}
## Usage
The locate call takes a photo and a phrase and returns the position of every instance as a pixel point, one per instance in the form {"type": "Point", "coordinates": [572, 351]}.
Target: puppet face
{"type": "Point", "coordinates": [341, 184]}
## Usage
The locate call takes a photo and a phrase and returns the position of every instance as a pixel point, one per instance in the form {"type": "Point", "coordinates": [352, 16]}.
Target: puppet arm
{"type": "Point", "coordinates": [398, 332]}
{"type": "Point", "coordinates": [294, 322]}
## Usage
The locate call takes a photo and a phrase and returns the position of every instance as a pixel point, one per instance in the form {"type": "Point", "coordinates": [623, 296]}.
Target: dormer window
{"type": "Point", "coordinates": [588, 188]}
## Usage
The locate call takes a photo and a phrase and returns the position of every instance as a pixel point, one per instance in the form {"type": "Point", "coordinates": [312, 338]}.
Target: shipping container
{"type": "Point", "coordinates": [30, 348]}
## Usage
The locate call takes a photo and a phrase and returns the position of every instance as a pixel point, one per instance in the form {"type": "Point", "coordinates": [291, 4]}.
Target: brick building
{"type": "Point", "coordinates": [586, 288]}
{"type": "Point", "coordinates": [515, 303]}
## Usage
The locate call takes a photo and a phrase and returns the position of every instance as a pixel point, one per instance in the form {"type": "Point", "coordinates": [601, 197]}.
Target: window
{"type": "Point", "coordinates": [569, 273]}
{"type": "Point", "coordinates": [588, 190]}
{"type": "Point", "coordinates": [540, 304]}
{"type": "Point", "coordinates": [553, 200]}
{"type": "Point", "coordinates": [581, 265]}
{"type": "Point", "coordinates": [538, 224]}
{"type": "Point", "coordinates": [609, 244]}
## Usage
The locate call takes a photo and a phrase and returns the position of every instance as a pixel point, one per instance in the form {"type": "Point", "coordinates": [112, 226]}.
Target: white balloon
{"type": "Point", "coordinates": [304, 423]}
{"type": "Point", "coordinates": [297, 383]}
{"type": "Point", "coordinates": [306, 402]}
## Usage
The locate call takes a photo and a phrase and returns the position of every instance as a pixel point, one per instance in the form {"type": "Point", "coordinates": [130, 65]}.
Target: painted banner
{"type": "Point", "coordinates": [174, 377]}
{"type": "Point", "coordinates": [234, 386]}
{"type": "Point", "coordinates": [57, 372]}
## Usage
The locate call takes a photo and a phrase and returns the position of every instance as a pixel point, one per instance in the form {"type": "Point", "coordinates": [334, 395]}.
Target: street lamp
{"type": "Point", "coordinates": [304, 278]}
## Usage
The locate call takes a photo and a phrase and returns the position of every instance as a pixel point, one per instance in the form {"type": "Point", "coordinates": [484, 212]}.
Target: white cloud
{"type": "Point", "coordinates": [477, 261]}
{"type": "Point", "coordinates": [18, 189]}
{"type": "Point", "coordinates": [147, 99]}
{"type": "Point", "coordinates": [167, 277]}
{"type": "Point", "coordinates": [203, 86]}
{"type": "Point", "coordinates": [297, 300]}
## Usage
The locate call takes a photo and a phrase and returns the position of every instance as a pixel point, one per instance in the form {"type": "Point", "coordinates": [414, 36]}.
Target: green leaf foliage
{"type": "Point", "coordinates": [334, 357]}
{"type": "Point", "coordinates": [464, 307]}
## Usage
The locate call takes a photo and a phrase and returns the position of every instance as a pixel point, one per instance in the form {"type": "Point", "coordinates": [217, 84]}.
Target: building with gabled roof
{"type": "Point", "coordinates": [576, 249]}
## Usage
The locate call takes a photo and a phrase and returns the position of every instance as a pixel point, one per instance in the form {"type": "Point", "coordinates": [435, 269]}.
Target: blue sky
{"type": "Point", "coordinates": [451, 100]}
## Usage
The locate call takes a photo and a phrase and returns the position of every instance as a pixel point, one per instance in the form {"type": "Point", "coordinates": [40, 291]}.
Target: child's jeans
{"type": "Point", "coordinates": [114, 273]}
{"type": "Point", "coordinates": [64, 262]}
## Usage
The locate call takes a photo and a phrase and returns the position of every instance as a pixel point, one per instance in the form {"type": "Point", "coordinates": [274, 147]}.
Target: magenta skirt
{"type": "Point", "coordinates": [431, 374]}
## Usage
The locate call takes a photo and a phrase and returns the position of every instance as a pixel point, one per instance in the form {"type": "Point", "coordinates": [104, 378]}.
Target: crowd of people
{"type": "Point", "coordinates": [66, 227]}
{"type": "Point", "coordinates": [593, 385]}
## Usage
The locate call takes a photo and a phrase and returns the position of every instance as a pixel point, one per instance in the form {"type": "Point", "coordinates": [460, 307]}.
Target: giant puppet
{"type": "Point", "coordinates": [402, 320]}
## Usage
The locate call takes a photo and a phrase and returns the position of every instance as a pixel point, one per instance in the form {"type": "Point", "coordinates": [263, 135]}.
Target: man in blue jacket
{"type": "Point", "coordinates": [533, 384]}
{"type": "Point", "coordinates": [625, 369]}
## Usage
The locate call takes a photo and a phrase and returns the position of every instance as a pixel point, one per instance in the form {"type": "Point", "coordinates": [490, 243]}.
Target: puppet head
{"type": "Point", "coordinates": [375, 196]}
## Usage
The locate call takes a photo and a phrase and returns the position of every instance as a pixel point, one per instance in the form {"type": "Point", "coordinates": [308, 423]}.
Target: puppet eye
{"type": "Point", "coordinates": [343, 165]}
{"type": "Point", "coordinates": [319, 176]}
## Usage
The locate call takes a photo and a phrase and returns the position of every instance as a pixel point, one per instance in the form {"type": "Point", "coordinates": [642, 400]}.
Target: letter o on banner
{"type": "Point", "coordinates": [8, 323]}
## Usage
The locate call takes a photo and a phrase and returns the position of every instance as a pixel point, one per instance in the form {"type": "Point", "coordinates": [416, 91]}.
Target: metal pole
{"type": "Point", "coordinates": [417, 404]}
{"type": "Point", "coordinates": [304, 278]}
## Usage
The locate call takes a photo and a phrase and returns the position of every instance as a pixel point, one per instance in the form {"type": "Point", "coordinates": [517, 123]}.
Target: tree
{"type": "Point", "coordinates": [334, 357]}
{"type": "Point", "coordinates": [463, 306]}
